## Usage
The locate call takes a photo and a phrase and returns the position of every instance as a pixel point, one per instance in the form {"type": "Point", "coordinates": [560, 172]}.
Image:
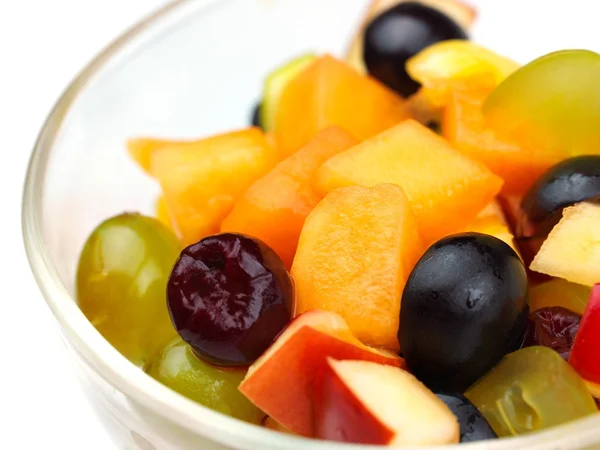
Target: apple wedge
{"type": "Point", "coordinates": [462, 14]}
{"type": "Point", "coordinates": [367, 403]}
{"type": "Point", "coordinates": [585, 354]}
{"type": "Point", "coordinates": [280, 382]}
{"type": "Point", "coordinates": [272, 424]}
{"type": "Point", "coordinates": [572, 249]}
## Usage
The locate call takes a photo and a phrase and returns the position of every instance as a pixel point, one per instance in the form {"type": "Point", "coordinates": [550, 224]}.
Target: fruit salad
{"type": "Point", "coordinates": [401, 248]}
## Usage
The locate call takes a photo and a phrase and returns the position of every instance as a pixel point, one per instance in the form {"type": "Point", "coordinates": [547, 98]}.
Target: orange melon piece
{"type": "Point", "coordinates": [490, 220]}
{"type": "Point", "coordinates": [202, 181]}
{"type": "Point", "coordinates": [493, 209]}
{"type": "Point", "coordinates": [354, 255]}
{"type": "Point", "coordinates": [162, 211]}
{"type": "Point", "coordinates": [141, 149]}
{"type": "Point", "coordinates": [494, 227]}
{"type": "Point", "coordinates": [446, 189]}
{"type": "Point", "coordinates": [463, 124]}
{"type": "Point", "coordinates": [270, 137]}
{"type": "Point", "coordinates": [330, 92]}
{"type": "Point", "coordinates": [273, 209]}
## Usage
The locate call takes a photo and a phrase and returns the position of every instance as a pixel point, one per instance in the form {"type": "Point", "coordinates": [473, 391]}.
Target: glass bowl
{"type": "Point", "coordinates": [192, 69]}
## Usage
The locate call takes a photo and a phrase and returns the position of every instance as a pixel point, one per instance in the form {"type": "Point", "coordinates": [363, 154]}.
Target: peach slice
{"type": "Point", "coordinates": [446, 189]}
{"type": "Point", "coordinates": [274, 208]}
{"type": "Point", "coordinates": [330, 92]}
{"type": "Point", "coordinates": [201, 180]}
{"type": "Point", "coordinates": [280, 382]}
{"type": "Point", "coordinates": [355, 253]}
{"type": "Point", "coordinates": [366, 403]}
{"type": "Point", "coordinates": [462, 14]}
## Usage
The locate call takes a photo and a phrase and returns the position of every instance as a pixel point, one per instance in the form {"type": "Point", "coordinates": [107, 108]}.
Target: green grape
{"type": "Point", "coordinates": [529, 390]}
{"type": "Point", "coordinates": [552, 103]}
{"type": "Point", "coordinates": [177, 367]}
{"type": "Point", "coordinates": [122, 281]}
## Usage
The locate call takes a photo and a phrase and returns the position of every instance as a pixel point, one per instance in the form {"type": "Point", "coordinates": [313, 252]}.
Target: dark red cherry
{"type": "Point", "coordinates": [553, 327]}
{"type": "Point", "coordinates": [229, 296]}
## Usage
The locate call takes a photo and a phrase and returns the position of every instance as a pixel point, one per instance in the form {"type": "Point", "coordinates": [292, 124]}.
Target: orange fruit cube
{"type": "Point", "coordinates": [273, 209]}
{"type": "Point", "coordinates": [354, 256]}
{"type": "Point", "coordinates": [202, 180]}
{"type": "Point", "coordinates": [330, 92]}
{"type": "Point", "coordinates": [141, 149]}
{"type": "Point", "coordinates": [490, 220]}
{"type": "Point", "coordinates": [463, 125]}
{"type": "Point", "coordinates": [446, 189]}
{"type": "Point", "coordinates": [162, 212]}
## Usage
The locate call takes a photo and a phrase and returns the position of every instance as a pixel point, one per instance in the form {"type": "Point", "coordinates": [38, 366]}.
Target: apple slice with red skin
{"type": "Point", "coordinates": [272, 424]}
{"type": "Point", "coordinates": [363, 402]}
{"type": "Point", "coordinates": [280, 382]}
{"type": "Point", "coordinates": [585, 353]}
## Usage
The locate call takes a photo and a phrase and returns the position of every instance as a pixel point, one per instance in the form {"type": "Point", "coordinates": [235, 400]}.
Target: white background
{"type": "Point", "coordinates": [43, 44]}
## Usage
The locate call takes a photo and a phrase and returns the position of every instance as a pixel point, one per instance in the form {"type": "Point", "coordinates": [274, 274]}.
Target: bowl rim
{"type": "Point", "coordinates": [114, 368]}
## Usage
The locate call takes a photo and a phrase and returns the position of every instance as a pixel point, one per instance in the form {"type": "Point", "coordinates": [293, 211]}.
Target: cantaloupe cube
{"type": "Point", "coordinates": [202, 181]}
{"type": "Point", "coordinates": [328, 93]}
{"type": "Point", "coordinates": [354, 256]}
{"type": "Point", "coordinates": [446, 189]}
{"type": "Point", "coordinates": [464, 126]}
{"type": "Point", "coordinates": [273, 209]}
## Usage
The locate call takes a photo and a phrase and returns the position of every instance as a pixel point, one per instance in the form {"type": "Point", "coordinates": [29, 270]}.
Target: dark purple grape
{"type": "Point", "coordinates": [553, 327]}
{"type": "Point", "coordinates": [568, 182]}
{"type": "Point", "coordinates": [255, 119]}
{"type": "Point", "coordinates": [398, 34]}
{"type": "Point", "coordinates": [464, 307]}
{"type": "Point", "coordinates": [229, 296]}
{"type": "Point", "coordinates": [473, 426]}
